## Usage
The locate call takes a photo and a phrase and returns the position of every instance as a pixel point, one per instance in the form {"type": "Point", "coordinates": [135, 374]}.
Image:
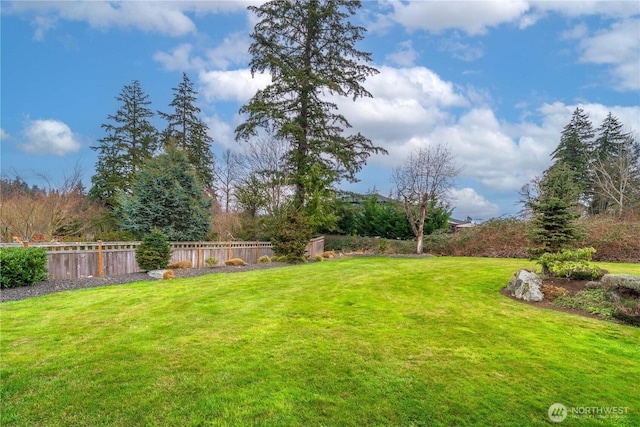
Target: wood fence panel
{"type": "Point", "coordinates": [78, 260]}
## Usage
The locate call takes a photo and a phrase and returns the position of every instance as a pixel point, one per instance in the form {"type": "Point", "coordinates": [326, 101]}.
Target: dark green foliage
{"type": "Point", "coordinates": [130, 141]}
{"type": "Point", "coordinates": [154, 253]}
{"type": "Point", "coordinates": [290, 236]}
{"type": "Point", "coordinates": [308, 47]}
{"type": "Point", "coordinates": [22, 266]}
{"type": "Point", "coordinates": [573, 151]}
{"type": "Point", "coordinates": [189, 132]}
{"type": "Point", "coordinates": [610, 137]}
{"type": "Point", "coordinates": [555, 212]}
{"type": "Point", "coordinates": [383, 219]}
{"type": "Point", "coordinates": [166, 195]}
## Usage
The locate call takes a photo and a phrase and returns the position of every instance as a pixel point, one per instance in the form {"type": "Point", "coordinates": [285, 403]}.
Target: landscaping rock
{"type": "Point", "coordinates": [157, 274]}
{"type": "Point", "coordinates": [526, 285]}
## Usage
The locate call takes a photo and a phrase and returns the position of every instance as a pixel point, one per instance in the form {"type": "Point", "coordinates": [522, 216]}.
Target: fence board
{"type": "Point", "coordinates": [78, 260]}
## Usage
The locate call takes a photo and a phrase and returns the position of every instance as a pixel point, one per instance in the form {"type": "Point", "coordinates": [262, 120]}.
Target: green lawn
{"type": "Point", "coordinates": [364, 341]}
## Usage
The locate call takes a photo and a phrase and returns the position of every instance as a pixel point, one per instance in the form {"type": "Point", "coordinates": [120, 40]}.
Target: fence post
{"type": "Point", "coordinates": [257, 251]}
{"type": "Point", "coordinates": [229, 251]}
{"type": "Point", "coordinates": [100, 266]}
{"type": "Point", "coordinates": [199, 256]}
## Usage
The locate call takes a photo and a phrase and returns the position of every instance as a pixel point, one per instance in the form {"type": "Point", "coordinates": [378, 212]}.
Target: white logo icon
{"type": "Point", "coordinates": [557, 412]}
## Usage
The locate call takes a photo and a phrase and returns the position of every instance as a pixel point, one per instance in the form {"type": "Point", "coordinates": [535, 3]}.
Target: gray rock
{"type": "Point", "coordinates": [526, 285]}
{"type": "Point", "coordinates": [157, 274]}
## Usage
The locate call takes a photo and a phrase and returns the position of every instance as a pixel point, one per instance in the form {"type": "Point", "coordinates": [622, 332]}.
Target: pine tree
{"type": "Point", "coordinates": [610, 137]}
{"type": "Point", "coordinates": [189, 132]}
{"type": "Point", "coordinates": [574, 149]}
{"type": "Point", "coordinates": [555, 211]}
{"type": "Point", "coordinates": [130, 141]}
{"type": "Point", "coordinates": [308, 47]}
{"type": "Point", "coordinates": [166, 195]}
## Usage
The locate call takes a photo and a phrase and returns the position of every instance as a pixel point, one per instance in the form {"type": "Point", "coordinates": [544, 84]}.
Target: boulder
{"type": "Point", "coordinates": [157, 274]}
{"type": "Point", "coordinates": [526, 285]}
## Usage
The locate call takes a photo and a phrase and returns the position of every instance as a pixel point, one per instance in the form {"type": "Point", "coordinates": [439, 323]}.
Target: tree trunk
{"type": "Point", "coordinates": [420, 234]}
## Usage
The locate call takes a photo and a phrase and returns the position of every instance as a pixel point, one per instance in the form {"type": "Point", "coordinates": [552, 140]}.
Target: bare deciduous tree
{"type": "Point", "coordinates": [425, 178]}
{"type": "Point", "coordinates": [265, 162]}
{"type": "Point", "coordinates": [616, 178]}
{"type": "Point", "coordinates": [48, 212]}
{"type": "Point", "coordinates": [227, 176]}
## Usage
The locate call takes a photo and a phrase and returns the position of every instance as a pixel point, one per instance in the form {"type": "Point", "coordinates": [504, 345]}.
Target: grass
{"type": "Point", "coordinates": [365, 341]}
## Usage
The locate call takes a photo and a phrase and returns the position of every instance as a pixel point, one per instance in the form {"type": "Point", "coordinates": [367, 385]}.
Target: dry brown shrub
{"type": "Point", "coordinates": [615, 238]}
{"type": "Point", "coordinates": [328, 254]}
{"type": "Point", "coordinates": [496, 238]}
{"type": "Point", "coordinates": [552, 292]}
{"type": "Point", "coordinates": [168, 275]}
{"type": "Point", "coordinates": [236, 262]}
{"type": "Point", "coordinates": [181, 264]}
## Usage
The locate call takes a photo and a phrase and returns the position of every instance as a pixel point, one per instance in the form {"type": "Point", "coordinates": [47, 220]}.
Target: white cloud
{"type": "Point", "coordinates": [4, 135]}
{"type": "Point", "coordinates": [614, 9]}
{"type": "Point", "coordinates": [618, 47]}
{"type": "Point", "coordinates": [576, 33]}
{"type": "Point", "coordinates": [462, 51]}
{"type": "Point", "coordinates": [476, 17]}
{"type": "Point", "coordinates": [468, 203]}
{"type": "Point", "coordinates": [50, 137]}
{"type": "Point", "coordinates": [233, 85]}
{"type": "Point", "coordinates": [163, 17]}
{"type": "Point", "coordinates": [178, 59]}
{"type": "Point", "coordinates": [404, 56]}
{"type": "Point", "coordinates": [472, 17]}
{"type": "Point", "coordinates": [233, 50]}
{"type": "Point", "coordinates": [221, 132]}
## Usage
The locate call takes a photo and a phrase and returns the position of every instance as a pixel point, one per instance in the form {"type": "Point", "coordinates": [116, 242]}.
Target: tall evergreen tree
{"type": "Point", "coordinates": [166, 195]}
{"type": "Point", "coordinates": [131, 140]}
{"type": "Point", "coordinates": [574, 149]}
{"type": "Point", "coordinates": [555, 211]}
{"type": "Point", "coordinates": [308, 47]}
{"type": "Point", "coordinates": [610, 137]}
{"type": "Point", "coordinates": [189, 132]}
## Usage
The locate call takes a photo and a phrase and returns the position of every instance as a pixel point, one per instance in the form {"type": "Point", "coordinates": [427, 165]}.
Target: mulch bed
{"type": "Point", "coordinates": [572, 287]}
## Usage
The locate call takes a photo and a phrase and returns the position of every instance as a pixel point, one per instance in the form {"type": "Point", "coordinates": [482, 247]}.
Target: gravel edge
{"type": "Point", "coordinates": [47, 287]}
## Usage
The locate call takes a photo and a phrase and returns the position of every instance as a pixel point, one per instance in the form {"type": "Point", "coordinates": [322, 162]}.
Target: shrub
{"type": "Point", "coordinates": [22, 267]}
{"type": "Point", "coordinates": [154, 252]}
{"type": "Point", "coordinates": [594, 301]}
{"type": "Point", "coordinates": [211, 262]}
{"type": "Point", "coordinates": [181, 264]}
{"type": "Point", "coordinates": [552, 292]}
{"type": "Point", "coordinates": [291, 235]}
{"type": "Point", "coordinates": [168, 275]}
{"type": "Point", "coordinates": [628, 313]}
{"type": "Point", "coordinates": [382, 246]}
{"type": "Point", "coordinates": [571, 263]}
{"type": "Point", "coordinates": [264, 259]}
{"type": "Point", "coordinates": [318, 258]}
{"type": "Point", "coordinates": [328, 254]}
{"type": "Point", "coordinates": [236, 262]}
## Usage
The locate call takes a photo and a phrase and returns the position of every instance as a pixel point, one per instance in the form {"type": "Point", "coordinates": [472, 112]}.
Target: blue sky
{"type": "Point", "coordinates": [494, 80]}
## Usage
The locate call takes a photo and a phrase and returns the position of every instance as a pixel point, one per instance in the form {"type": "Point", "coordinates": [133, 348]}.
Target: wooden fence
{"type": "Point", "coordinates": [78, 260]}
